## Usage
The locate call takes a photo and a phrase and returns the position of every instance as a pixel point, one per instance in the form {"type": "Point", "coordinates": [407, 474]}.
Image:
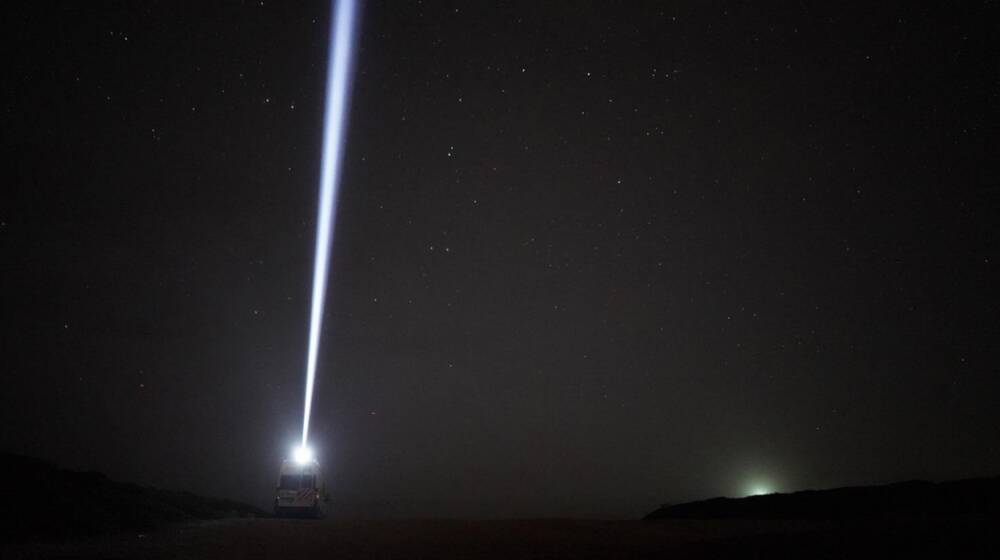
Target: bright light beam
{"type": "Point", "coordinates": [338, 80]}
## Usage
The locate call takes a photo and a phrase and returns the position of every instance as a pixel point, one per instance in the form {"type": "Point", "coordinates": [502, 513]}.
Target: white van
{"type": "Point", "coordinates": [300, 491]}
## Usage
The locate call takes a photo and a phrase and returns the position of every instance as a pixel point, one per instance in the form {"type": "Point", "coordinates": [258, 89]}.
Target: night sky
{"type": "Point", "coordinates": [590, 257]}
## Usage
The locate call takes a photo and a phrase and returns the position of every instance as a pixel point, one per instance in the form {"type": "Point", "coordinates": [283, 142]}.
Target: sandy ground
{"type": "Point", "coordinates": [289, 538]}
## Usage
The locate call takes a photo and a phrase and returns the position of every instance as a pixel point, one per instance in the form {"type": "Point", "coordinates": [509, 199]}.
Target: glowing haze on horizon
{"type": "Point", "coordinates": [339, 67]}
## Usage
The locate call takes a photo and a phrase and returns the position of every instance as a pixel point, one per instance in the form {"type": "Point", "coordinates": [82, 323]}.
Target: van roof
{"type": "Point", "coordinates": [293, 467]}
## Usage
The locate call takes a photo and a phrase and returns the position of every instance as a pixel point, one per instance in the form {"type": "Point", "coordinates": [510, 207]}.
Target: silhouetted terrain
{"type": "Point", "coordinates": [42, 501]}
{"type": "Point", "coordinates": [54, 513]}
{"type": "Point", "coordinates": [975, 497]}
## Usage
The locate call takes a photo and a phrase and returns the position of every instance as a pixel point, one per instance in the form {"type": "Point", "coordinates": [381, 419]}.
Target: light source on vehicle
{"type": "Point", "coordinates": [302, 455]}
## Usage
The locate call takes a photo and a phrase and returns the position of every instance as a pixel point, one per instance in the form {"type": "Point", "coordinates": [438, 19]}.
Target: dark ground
{"type": "Point", "coordinates": [49, 512]}
{"type": "Point", "coordinates": [284, 538]}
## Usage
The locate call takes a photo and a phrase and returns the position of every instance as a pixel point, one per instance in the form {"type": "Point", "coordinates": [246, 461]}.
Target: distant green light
{"type": "Point", "coordinates": [758, 488]}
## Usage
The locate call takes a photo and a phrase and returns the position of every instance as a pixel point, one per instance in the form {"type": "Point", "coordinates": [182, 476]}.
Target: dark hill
{"type": "Point", "coordinates": [44, 502]}
{"type": "Point", "coordinates": [979, 497]}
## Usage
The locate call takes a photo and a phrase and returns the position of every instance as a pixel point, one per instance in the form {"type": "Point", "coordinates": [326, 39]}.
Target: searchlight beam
{"type": "Point", "coordinates": [340, 64]}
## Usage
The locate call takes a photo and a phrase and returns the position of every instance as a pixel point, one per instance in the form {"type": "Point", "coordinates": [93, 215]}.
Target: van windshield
{"type": "Point", "coordinates": [307, 480]}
